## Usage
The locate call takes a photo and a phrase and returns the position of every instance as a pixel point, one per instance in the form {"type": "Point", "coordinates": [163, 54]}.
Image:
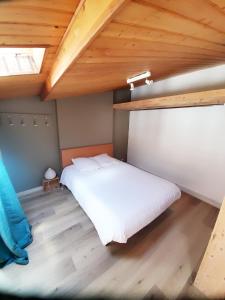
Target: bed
{"type": "Point", "coordinates": [120, 199]}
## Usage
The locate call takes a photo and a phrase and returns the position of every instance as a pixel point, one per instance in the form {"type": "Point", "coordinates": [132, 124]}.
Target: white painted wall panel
{"type": "Point", "coordinates": [184, 145]}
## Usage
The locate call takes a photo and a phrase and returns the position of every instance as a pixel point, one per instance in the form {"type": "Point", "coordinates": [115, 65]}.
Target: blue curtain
{"type": "Point", "coordinates": [15, 231]}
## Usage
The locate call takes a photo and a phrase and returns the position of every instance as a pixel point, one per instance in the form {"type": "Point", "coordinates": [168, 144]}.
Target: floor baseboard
{"type": "Point", "coordinates": [201, 197]}
{"type": "Point", "coordinates": [30, 191]}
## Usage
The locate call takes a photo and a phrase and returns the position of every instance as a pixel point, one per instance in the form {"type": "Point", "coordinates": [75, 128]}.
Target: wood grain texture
{"type": "Point", "coordinates": [68, 259]}
{"type": "Point", "coordinates": [36, 23]}
{"type": "Point", "coordinates": [21, 85]}
{"type": "Point", "coordinates": [213, 97]}
{"type": "Point", "coordinates": [165, 37]}
{"type": "Point", "coordinates": [88, 21]}
{"type": "Point", "coordinates": [210, 279]}
{"type": "Point", "coordinates": [68, 154]}
{"type": "Point", "coordinates": [98, 49]}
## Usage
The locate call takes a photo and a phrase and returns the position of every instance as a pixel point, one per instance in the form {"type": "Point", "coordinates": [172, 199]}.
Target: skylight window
{"type": "Point", "coordinates": [20, 61]}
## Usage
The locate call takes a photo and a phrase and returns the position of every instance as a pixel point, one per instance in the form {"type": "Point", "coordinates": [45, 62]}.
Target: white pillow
{"type": "Point", "coordinates": [85, 164]}
{"type": "Point", "coordinates": [104, 160]}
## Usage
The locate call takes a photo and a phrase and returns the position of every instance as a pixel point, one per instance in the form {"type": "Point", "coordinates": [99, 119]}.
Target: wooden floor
{"type": "Point", "coordinates": [67, 257]}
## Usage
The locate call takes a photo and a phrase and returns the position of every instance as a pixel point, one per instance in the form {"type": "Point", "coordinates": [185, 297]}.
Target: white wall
{"type": "Point", "coordinates": [186, 146]}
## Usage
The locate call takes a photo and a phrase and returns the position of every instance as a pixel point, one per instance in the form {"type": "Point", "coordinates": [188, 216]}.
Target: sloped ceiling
{"type": "Point", "coordinates": [36, 23]}
{"type": "Point", "coordinates": [117, 40]}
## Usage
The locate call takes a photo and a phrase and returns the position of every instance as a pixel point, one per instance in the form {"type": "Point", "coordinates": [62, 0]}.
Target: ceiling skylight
{"type": "Point", "coordinates": [20, 61]}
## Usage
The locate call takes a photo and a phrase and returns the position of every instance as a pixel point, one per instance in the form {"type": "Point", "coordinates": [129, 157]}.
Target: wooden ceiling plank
{"type": "Point", "coordinates": [19, 86]}
{"type": "Point", "coordinates": [28, 41]}
{"type": "Point", "coordinates": [120, 71]}
{"type": "Point", "coordinates": [119, 52]}
{"type": "Point", "coordinates": [144, 36]}
{"type": "Point", "coordinates": [144, 59]}
{"type": "Point", "coordinates": [205, 98]}
{"type": "Point", "coordinates": [131, 44]}
{"type": "Point", "coordinates": [148, 15]}
{"type": "Point", "coordinates": [84, 90]}
{"type": "Point", "coordinates": [85, 25]}
{"type": "Point", "coordinates": [145, 52]}
{"type": "Point", "coordinates": [23, 30]}
{"type": "Point", "coordinates": [158, 35]}
{"type": "Point", "coordinates": [26, 15]}
{"type": "Point", "coordinates": [105, 55]}
{"type": "Point", "coordinates": [60, 5]}
{"type": "Point", "coordinates": [219, 3]}
{"type": "Point", "coordinates": [125, 31]}
{"type": "Point", "coordinates": [202, 11]}
{"type": "Point", "coordinates": [36, 23]}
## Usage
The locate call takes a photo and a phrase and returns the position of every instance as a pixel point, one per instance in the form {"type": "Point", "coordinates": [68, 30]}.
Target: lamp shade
{"type": "Point", "coordinates": [50, 174]}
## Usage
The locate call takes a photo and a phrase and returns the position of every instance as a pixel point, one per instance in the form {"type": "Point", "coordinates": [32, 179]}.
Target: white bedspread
{"type": "Point", "coordinates": [120, 199]}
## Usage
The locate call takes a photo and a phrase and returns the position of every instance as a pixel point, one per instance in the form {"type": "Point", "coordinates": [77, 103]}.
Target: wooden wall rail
{"type": "Point", "coordinates": [210, 278]}
{"type": "Point", "coordinates": [213, 97]}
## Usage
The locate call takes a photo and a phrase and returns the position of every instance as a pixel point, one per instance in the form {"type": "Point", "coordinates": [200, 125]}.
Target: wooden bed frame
{"type": "Point", "coordinates": [68, 154]}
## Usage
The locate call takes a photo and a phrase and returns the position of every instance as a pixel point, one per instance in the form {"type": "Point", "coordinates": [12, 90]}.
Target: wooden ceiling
{"type": "Point", "coordinates": [108, 41]}
{"type": "Point", "coordinates": [33, 23]}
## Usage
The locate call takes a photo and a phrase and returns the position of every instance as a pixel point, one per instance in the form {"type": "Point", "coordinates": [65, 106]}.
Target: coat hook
{"type": "Point", "coordinates": [22, 123]}
{"type": "Point", "coordinates": [10, 121]}
{"type": "Point", "coordinates": [46, 122]}
{"type": "Point", "coordinates": [35, 124]}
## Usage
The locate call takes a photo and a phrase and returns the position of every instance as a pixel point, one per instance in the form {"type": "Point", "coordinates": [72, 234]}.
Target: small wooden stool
{"type": "Point", "coordinates": [50, 184]}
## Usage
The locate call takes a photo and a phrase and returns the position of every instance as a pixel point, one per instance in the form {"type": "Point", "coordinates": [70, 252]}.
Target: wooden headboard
{"type": "Point", "coordinates": [68, 154]}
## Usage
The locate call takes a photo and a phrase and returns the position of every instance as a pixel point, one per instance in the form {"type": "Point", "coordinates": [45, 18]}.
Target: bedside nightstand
{"type": "Point", "coordinates": [50, 184]}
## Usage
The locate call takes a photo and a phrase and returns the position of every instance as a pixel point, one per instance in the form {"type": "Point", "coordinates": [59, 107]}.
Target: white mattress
{"type": "Point", "coordinates": [120, 199]}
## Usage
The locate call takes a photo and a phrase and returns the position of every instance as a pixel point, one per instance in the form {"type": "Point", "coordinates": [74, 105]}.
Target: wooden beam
{"type": "Point", "coordinates": [88, 20]}
{"type": "Point", "coordinates": [210, 278]}
{"type": "Point", "coordinates": [213, 97]}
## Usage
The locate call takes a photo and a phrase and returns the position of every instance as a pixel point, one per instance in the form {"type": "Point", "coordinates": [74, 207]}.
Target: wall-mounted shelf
{"type": "Point", "coordinates": [205, 98]}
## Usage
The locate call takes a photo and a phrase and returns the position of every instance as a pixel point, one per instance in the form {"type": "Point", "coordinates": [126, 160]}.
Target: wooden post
{"type": "Point", "coordinates": [210, 278]}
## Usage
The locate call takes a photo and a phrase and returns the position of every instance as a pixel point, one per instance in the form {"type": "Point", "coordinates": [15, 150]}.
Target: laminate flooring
{"type": "Point", "coordinates": [67, 257]}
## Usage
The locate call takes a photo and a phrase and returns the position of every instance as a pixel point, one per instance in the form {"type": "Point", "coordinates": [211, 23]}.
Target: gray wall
{"type": "Point", "coordinates": [28, 151]}
{"type": "Point", "coordinates": [121, 124]}
{"type": "Point", "coordinates": [184, 145]}
{"type": "Point", "coordinates": [85, 120]}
